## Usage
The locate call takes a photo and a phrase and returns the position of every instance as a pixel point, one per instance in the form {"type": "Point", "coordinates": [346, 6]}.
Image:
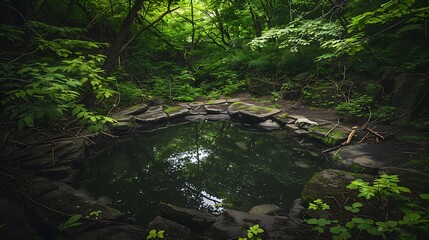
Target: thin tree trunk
{"type": "Point", "coordinates": [115, 49]}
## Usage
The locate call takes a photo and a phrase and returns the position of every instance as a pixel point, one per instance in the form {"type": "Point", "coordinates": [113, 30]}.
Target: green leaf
{"type": "Point", "coordinates": [350, 224]}
{"type": "Point", "coordinates": [29, 121]}
{"type": "Point", "coordinates": [424, 196]}
{"type": "Point", "coordinates": [74, 218]}
{"type": "Point", "coordinates": [404, 189]}
{"type": "Point", "coordinates": [335, 230]}
{"type": "Point", "coordinates": [311, 221]}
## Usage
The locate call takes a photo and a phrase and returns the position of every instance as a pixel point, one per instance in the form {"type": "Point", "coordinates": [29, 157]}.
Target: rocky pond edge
{"type": "Point", "coordinates": [49, 172]}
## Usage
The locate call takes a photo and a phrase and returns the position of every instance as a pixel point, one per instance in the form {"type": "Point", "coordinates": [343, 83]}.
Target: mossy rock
{"type": "Point", "coordinates": [251, 112]}
{"type": "Point", "coordinates": [334, 138]}
{"type": "Point", "coordinates": [283, 118]}
{"type": "Point", "coordinates": [330, 185]}
{"type": "Point", "coordinates": [176, 111]}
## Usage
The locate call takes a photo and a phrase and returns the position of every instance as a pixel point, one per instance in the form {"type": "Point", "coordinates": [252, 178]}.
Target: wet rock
{"type": "Point", "coordinates": [248, 112]}
{"type": "Point", "coordinates": [152, 115]}
{"type": "Point", "coordinates": [16, 223]}
{"type": "Point", "coordinates": [176, 111]}
{"type": "Point", "coordinates": [121, 127]}
{"type": "Point", "coordinates": [368, 158]}
{"type": "Point", "coordinates": [51, 155]}
{"type": "Point", "coordinates": [269, 125]}
{"type": "Point", "coordinates": [210, 117]}
{"type": "Point", "coordinates": [334, 138]}
{"type": "Point", "coordinates": [215, 102]}
{"type": "Point", "coordinates": [264, 209]}
{"type": "Point", "coordinates": [191, 218]}
{"type": "Point", "coordinates": [134, 110]}
{"type": "Point", "coordinates": [198, 110]}
{"type": "Point", "coordinates": [217, 109]}
{"type": "Point", "coordinates": [173, 230]}
{"type": "Point", "coordinates": [123, 232]}
{"type": "Point", "coordinates": [330, 185]}
{"type": "Point", "coordinates": [233, 224]}
{"type": "Point", "coordinates": [305, 123]}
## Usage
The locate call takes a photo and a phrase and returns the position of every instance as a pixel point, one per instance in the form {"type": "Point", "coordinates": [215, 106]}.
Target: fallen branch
{"type": "Point", "coordinates": [347, 142]}
{"type": "Point", "coordinates": [367, 134]}
{"type": "Point", "coordinates": [375, 133]}
{"type": "Point", "coordinates": [332, 129]}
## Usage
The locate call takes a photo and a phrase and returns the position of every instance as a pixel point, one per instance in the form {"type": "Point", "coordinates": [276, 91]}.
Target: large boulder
{"type": "Point", "coordinates": [233, 224]}
{"type": "Point", "coordinates": [248, 112]}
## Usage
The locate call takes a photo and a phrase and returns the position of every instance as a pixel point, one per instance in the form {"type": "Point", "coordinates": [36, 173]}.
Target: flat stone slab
{"type": "Point", "coordinates": [250, 111]}
{"type": "Point", "coordinates": [217, 109]}
{"type": "Point", "coordinates": [368, 157]}
{"type": "Point", "coordinates": [334, 138]}
{"type": "Point", "coordinates": [283, 117]}
{"type": "Point", "coordinates": [208, 117]}
{"type": "Point", "coordinates": [176, 111]}
{"type": "Point", "coordinates": [215, 102]}
{"type": "Point", "coordinates": [152, 117]}
{"type": "Point", "coordinates": [134, 110]}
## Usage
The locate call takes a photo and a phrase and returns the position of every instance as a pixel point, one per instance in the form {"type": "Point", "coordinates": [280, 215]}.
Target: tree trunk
{"type": "Point", "coordinates": [116, 46]}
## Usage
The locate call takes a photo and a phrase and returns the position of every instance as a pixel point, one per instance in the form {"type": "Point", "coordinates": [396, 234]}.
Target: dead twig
{"type": "Point", "coordinates": [332, 129]}
{"type": "Point", "coordinates": [375, 133]}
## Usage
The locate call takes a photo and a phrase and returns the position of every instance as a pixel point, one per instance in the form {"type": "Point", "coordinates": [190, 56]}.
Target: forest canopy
{"type": "Point", "coordinates": [74, 61]}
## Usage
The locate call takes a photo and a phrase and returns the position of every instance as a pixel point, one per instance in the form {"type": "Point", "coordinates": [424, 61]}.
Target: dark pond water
{"type": "Point", "coordinates": [198, 164]}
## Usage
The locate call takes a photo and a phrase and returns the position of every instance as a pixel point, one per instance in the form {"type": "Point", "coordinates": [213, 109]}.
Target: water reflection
{"type": "Point", "coordinates": [198, 165]}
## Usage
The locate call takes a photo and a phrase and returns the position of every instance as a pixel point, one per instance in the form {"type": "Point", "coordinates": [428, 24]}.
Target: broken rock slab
{"type": "Point", "coordinates": [153, 115]}
{"type": "Point", "coordinates": [328, 135]}
{"type": "Point", "coordinates": [176, 111]}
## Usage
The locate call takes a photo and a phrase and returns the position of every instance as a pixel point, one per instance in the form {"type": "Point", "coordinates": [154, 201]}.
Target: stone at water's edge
{"type": "Point", "coordinates": [248, 112]}
{"type": "Point", "coordinates": [62, 197]}
{"type": "Point", "coordinates": [173, 230]}
{"type": "Point", "coordinates": [368, 158]}
{"type": "Point", "coordinates": [152, 117]}
{"type": "Point", "coordinates": [191, 218]}
{"type": "Point", "coordinates": [334, 138]}
{"type": "Point", "coordinates": [283, 117]}
{"type": "Point", "coordinates": [128, 114]}
{"type": "Point", "coordinates": [176, 111]}
{"type": "Point", "coordinates": [50, 155]}
{"type": "Point", "coordinates": [217, 109]}
{"type": "Point", "coordinates": [269, 125]}
{"type": "Point", "coordinates": [214, 117]}
{"type": "Point", "coordinates": [329, 185]}
{"type": "Point", "coordinates": [233, 224]}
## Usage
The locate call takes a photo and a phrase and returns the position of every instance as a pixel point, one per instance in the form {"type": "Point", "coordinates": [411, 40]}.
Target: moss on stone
{"type": "Point", "coordinates": [334, 138]}
{"type": "Point", "coordinates": [282, 116]}
{"type": "Point", "coordinates": [173, 109]}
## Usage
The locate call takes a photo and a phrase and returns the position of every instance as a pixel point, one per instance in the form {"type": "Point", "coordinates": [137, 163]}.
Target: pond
{"type": "Point", "coordinates": [198, 165]}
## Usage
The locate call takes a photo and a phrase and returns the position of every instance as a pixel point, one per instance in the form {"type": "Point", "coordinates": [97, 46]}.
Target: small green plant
{"type": "Point", "coordinates": [356, 106]}
{"type": "Point", "coordinates": [154, 234]}
{"type": "Point", "coordinates": [95, 214]}
{"type": "Point", "coordinates": [318, 204]}
{"type": "Point", "coordinates": [73, 221]}
{"type": "Point", "coordinates": [414, 218]}
{"type": "Point", "coordinates": [275, 96]}
{"type": "Point", "coordinates": [253, 233]}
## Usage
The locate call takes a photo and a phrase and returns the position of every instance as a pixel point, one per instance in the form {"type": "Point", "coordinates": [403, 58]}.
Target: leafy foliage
{"type": "Point", "coordinates": [412, 222]}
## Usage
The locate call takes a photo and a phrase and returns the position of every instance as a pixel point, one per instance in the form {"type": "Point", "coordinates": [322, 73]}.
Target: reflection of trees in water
{"type": "Point", "coordinates": [180, 164]}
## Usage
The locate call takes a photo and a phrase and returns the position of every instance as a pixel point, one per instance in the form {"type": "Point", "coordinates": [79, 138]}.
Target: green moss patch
{"type": "Point", "coordinates": [334, 138]}
{"type": "Point", "coordinates": [173, 109]}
